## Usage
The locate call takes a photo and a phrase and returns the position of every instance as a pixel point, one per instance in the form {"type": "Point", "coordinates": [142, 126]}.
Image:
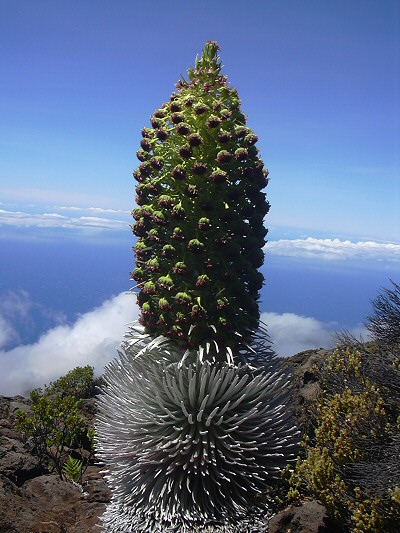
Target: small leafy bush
{"type": "Point", "coordinates": [79, 382]}
{"type": "Point", "coordinates": [350, 453]}
{"type": "Point", "coordinates": [55, 423]}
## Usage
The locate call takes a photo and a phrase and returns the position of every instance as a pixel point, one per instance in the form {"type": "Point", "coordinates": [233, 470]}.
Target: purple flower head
{"type": "Point", "coordinates": [179, 173]}
{"type": "Point", "coordinates": [160, 113]}
{"type": "Point", "coordinates": [213, 121]}
{"type": "Point", "coordinates": [175, 107]}
{"type": "Point", "coordinates": [144, 143]}
{"type": "Point", "coordinates": [186, 151]}
{"type": "Point", "coordinates": [199, 169]}
{"type": "Point", "coordinates": [146, 132]}
{"type": "Point", "coordinates": [241, 154]}
{"type": "Point", "coordinates": [219, 176]}
{"type": "Point", "coordinates": [195, 246]}
{"type": "Point", "coordinates": [176, 118]}
{"type": "Point", "coordinates": [161, 134]}
{"type": "Point", "coordinates": [142, 155]}
{"type": "Point", "coordinates": [224, 136]}
{"type": "Point", "coordinates": [157, 163]}
{"type": "Point", "coordinates": [155, 122]}
{"type": "Point", "coordinates": [191, 191]}
{"type": "Point", "coordinates": [195, 139]}
{"type": "Point", "coordinates": [180, 268]}
{"type": "Point", "coordinates": [199, 109]}
{"type": "Point", "coordinates": [178, 212]}
{"type": "Point", "coordinates": [224, 157]}
{"type": "Point", "coordinates": [183, 128]}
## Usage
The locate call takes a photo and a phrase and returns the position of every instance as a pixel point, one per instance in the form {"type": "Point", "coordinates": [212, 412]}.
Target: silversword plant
{"type": "Point", "coordinates": [194, 420]}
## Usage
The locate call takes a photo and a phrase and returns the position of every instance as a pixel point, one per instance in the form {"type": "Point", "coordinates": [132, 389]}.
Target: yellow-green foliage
{"type": "Point", "coordinates": [79, 382]}
{"type": "Point", "coordinates": [348, 418]}
{"type": "Point", "coordinates": [73, 468]}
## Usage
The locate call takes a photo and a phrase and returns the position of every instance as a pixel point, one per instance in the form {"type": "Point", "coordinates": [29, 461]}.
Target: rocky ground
{"type": "Point", "coordinates": [35, 501]}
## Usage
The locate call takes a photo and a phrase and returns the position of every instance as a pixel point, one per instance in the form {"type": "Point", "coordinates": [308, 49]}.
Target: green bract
{"type": "Point", "coordinates": [200, 217]}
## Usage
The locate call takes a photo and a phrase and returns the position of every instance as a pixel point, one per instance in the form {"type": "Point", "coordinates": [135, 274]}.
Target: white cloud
{"type": "Point", "coordinates": [55, 220]}
{"type": "Point", "coordinates": [101, 210]}
{"type": "Point", "coordinates": [291, 334]}
{"type": "Point", "coordinates": [334, 249]}
{"type": "Point", "coordinates": [93, 339]}
{"type": "Point", "coordinates": [7, 332]}
{"type": "Point", "coordinates": [15, 308]}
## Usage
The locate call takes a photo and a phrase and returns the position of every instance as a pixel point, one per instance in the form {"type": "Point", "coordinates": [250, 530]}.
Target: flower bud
{"type": "Point", "coordinates": [157, 163]}
{"type": "Point", "coordinates": [156, 123]}
{"type": "Point", "coordinates": [138, 274]}
{"type": "Point", "coordinates": [202, 281]}
{"type": "Point", "coordinates": [168, 251]}
{"type": "Point", "coordinates": [153, 265]}
{"type": "Point", "coordinates": [219, 176]}
{"type": "Point", "coordinates": [175, 107]}
{"type": "Point", "coordinates": [176, 118]}
{"type": "Point", "coordinates": [142, 155]}
{"type": "Point", "coordinates": [199, 109]}
{"type": "Point", "coordinates": [213, 121]}
{"type": "Point", "coordinates": [241, 154]}
{"type": "Point", "coordinates": [199, 169]}
{"type": "Point", "coordinates": [165, 282]}
{"type": "Point", "coordinates": [160, 113]}
{"type": "Point", "coordinates": [178, 212]}
{"type": "Point", "coordinates": [180, 268]}
{"type": "Point", "coordinates": [161, 134]}
{"type": "Point", "coordinates": [204, 223]}
{"type": "Point", "coordinates": [163, 304]}
{"type": "Point", "coordinates": [195, 139]}
{"type": "Point", "coordinates": [224, 157]}
{"type": "Point", "coordinates": [146, 132]}
{"type": "Point", "coordinates": [166, 201]}
{"type": "Point", "coordinates": [224, 136]}
{"type": "Point", "coordinates": [195, 246]}
{"type": "Point", "coordinates": [149, 288]}
{"type": "Point", "coordinates": [191, 191]}
{"type": "Point", "coordinates": [178, 234]}
{"type": "Point", "coordinates": [183, 128]}
{"type": "Point", "coordinates": [183, 298]}
{"type": "Point", "coordinates": [186, 151]}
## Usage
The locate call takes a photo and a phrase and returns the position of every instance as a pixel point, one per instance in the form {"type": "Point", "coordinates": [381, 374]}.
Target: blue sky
{"type": "Point", "coordinates": [319, 82]}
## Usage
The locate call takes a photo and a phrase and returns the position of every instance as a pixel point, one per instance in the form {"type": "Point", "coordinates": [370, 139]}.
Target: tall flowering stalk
{"type": "Point", "coordinates": [193, 420]}
{"type": "Point", "coordinates": [200, 217]}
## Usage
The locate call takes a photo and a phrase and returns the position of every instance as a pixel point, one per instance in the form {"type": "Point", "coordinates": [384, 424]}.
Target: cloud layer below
{"type": "Point", "coordinates": [334, 249]}
{"type": "Point", "coordinates": [95, 337]}
{"type": "Point", "coordinates": [55, 220]}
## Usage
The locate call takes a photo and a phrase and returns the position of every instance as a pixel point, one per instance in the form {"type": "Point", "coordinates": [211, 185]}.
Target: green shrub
{"type": "Point", "coordinates": [355, 439]}
{"type": "Point", "coordinates": [55, 423]}
{"type": "Point", "coordinates": [79, 382]}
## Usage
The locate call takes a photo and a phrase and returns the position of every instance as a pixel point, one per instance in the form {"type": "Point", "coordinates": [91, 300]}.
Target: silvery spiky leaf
{"type": "Point", "coordinates": [189, 444]}
{"type": "Point", "coordinates": [256, 353]}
